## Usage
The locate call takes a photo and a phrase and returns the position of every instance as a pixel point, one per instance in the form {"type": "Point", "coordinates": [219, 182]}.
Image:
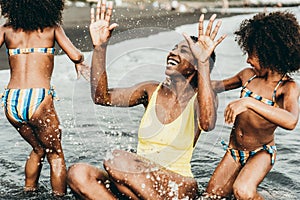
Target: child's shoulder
{"type": "Point", "coordinates": [290, 84]}
{"type": "Point", "coordinates": [2, 26]}
{"type": "Point", "coordinates": [289, 87]}
{"type": "Point", "coordinates": [246, 74]}
{"type": "Point", "coordinates": [3, 30]}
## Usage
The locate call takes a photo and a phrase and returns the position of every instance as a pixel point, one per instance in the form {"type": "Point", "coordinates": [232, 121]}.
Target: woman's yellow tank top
{"type": "Point", "coordinates": [170, 145]}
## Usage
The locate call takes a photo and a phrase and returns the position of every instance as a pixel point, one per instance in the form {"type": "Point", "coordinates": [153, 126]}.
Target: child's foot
{"type": "Point", "coordinates": [58, 194]}
{"type": "Point", "coordinates": [30, 189]}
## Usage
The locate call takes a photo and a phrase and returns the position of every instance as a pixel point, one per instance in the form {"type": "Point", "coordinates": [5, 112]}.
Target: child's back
{"type": "Point", "coordinates": [29, 34]}
{"type": "Point", "coordinates": [37, 58]}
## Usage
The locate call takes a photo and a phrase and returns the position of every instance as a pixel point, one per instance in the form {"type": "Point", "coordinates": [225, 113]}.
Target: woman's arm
{"type": "Point", "coordinates": [100, 30]}
{"type": "Point", "coordinates": [202, 51]}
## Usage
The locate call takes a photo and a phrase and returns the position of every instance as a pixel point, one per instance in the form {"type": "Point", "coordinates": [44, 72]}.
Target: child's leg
{"type": "Point", "coordinates": [255, 170]}
{"type": "Point", "coordinates": [50, 137]}
{"type": "Point", "coordinates": [222, 180]}
{"type": "Point", "coordinates": [34, 162]}
{"type": "Point", "coordinates": [49, 134]}
{"type": "Point", "coordinates": [33, 169]}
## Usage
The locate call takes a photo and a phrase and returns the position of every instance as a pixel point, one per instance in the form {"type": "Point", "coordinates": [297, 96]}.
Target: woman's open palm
{"type": "Point", "coordinates": [206, 43]}
{"type": "Point", "coordinates": [100, 27]}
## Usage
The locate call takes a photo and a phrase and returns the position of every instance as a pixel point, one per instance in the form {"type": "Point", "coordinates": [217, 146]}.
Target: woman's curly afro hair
{"type": "Point", "coordinates": [274, 38]}
{"type": "Point", "coordinates": [32, 14]}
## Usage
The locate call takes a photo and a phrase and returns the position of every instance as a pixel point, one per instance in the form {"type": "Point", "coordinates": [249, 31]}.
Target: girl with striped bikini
{"type": "Point", "coordinates": [269, 99]}
{"type": "Point", "coordinates": [29, 34]}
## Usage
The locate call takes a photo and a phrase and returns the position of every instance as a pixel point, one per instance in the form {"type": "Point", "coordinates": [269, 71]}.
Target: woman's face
{"type": "Point", "coordinates": [180, 61]}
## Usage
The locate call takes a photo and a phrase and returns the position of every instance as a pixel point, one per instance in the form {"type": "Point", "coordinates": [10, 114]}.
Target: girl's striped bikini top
{"type": "Point", "coordinates": [248, 93]}
{"type": "Point", "coordinates": [17, 51]}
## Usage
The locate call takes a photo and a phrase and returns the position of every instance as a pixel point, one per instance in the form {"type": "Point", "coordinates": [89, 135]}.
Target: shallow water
{"type": "Point", "coordinates": [90, 131]}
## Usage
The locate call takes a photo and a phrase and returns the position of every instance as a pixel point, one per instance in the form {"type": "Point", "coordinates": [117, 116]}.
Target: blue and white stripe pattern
{"type": "Point", "coordinates": [248, 93]}
{"type": "Point", "coordinates": [242, 156]}
{"type": "Point", "coordinates": [17, 51]}
{"type": "Point", "coordinates": [20, 104]}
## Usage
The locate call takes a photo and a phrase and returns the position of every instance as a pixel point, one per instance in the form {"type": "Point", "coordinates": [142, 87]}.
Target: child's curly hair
{"type": "Point", "coordinates": [274, 38]}
{"type": "Point", "coordinates": [32, 14]}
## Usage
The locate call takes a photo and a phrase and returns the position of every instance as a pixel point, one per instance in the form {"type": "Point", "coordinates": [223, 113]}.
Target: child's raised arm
{"type": "Point", "coordinates": [72, 52]}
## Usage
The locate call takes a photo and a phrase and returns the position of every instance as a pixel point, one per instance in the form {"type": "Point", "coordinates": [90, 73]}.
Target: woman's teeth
{"type": "Point", "coordinates": [172, 62]}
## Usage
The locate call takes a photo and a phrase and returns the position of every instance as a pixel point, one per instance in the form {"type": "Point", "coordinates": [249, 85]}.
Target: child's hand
{"type": "Point", "coordinates": [100, 29]}
{"type": "Point", "coordinates": [235, 108]}
{"type": "Point", "coordinates": [84, 70]}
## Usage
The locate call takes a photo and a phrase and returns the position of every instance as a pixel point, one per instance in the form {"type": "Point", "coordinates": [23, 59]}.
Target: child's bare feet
{"type": "Point", "coordinates": [30, 188]}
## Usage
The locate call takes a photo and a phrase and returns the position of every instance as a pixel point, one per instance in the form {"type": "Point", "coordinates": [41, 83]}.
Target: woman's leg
{"type": "Point", "coordinates": [147, 180]}
{"type": "Point", "coordinates": [89, 182]}
{"type": "Point", "coordinates": [252, 174]}
{"type": "Point", "coordinates": [221, 182]}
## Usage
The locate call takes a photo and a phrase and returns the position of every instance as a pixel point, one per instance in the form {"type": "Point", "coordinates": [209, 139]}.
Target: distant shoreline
{"type": "Point", "coordinates": [131, 18]}
{"type": "Point", "coordinates": [76, 22]}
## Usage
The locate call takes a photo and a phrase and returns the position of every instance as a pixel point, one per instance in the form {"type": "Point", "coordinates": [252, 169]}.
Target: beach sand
{"type": "Point", "coordinates": [76, 22]}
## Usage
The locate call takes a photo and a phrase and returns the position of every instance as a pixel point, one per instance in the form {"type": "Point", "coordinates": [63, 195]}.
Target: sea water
{"type": "Point", "coordinates": [90, 132]}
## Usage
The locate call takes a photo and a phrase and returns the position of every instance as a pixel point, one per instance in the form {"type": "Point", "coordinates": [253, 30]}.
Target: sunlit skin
{"type": "Point", "coordinates": [253, 125]}
{"type": "Point", "coordinates": [183, 61]}
{"type": "Point", "coordinates": [187, 73]}
{"type": "Point", "coordinates": [34, 70]}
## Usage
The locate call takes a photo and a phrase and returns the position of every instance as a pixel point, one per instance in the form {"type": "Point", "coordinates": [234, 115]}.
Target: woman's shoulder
{"type": "Point", "coordinates": [150, 86]}
{"type": "Point", "coordinates": [146, 87]}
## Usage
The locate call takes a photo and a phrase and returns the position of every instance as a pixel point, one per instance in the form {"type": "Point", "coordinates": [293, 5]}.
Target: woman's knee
{"type": "Point", "coordinates": [243, 191]}
{"type": "Point", "coordinates": [189, 190]}
{"type": "Point", "coordinates": [78, 175]}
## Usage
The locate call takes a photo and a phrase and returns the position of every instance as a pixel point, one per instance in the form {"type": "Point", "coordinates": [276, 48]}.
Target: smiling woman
{"type": "Point", "coordinates": [180, 61]}
{"type": "Point", "coordinates": [176, 112]}
{"type": "Point", "coordinates": [186, 60]}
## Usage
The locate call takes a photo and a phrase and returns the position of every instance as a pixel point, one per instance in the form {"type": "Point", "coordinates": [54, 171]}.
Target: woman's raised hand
{"type": "Point", "coordinates": [206, 43]}
{"type": "Point", "coordinates": [100, 27]}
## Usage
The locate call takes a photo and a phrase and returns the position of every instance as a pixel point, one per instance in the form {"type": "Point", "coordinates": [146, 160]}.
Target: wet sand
{"type": "Point", "coordinates": [76, 21]}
